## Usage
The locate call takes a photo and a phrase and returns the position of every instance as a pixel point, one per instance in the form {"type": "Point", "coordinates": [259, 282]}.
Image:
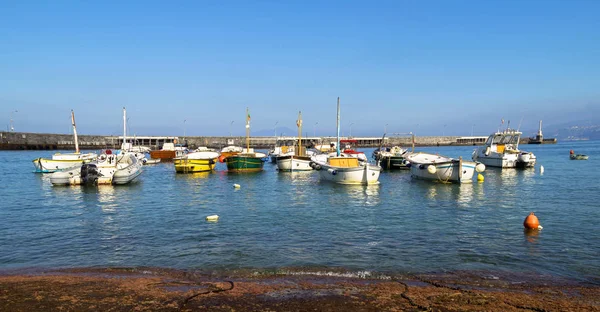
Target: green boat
{"type": "Point", "coordinates": [247, 160]}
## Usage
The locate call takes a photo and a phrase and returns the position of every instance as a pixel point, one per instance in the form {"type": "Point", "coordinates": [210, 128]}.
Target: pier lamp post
{"type": "Point", "coordinates": [12, 128]}
{"type": "Point", "coordinates": [276, 128]}
{"type": "Point", "coordinates": [351, 129]}
{"type": "Point", "coordinates": [315, 129]}
{"type": "Point", "coordinates": [184, 128]}
{"type": "Point", "coordinates": [230, 125]}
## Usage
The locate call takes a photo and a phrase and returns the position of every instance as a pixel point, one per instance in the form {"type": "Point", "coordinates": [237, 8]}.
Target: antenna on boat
{"type": "Point", "coordinates": [299, 124]}
{"type": "Point", "coordinates": [74, 132]}
{"type": "Point", "coordinates": [520, 124]}
{"type": "Point", "coordinates": [124, 126]}
{"type": "Point", "coordinates": [337, 146]}
{"type": "Point", "coordinates": [247, 130]}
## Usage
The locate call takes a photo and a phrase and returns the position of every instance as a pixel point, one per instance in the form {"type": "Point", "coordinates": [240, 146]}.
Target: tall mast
{"type": "Point", "coordinates": [299, 124]}
{"type": "Point", "coordinates": [337, 146]}
{"type": "Point", "coordinates": [124, 126]}
{"type": "Point", "coordinates": [74, 132]}
{"type": "Point", "coordinates": [247, 130]}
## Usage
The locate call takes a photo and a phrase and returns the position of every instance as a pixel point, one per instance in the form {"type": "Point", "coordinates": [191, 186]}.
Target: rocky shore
{"type": "Point", "coordinates": [151, 289]}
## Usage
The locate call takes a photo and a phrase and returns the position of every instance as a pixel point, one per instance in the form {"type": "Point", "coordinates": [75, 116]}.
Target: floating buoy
{"type": "Point", "coordinates": [531, 222]}
{"type": "Point", "coordinates": [480, 167]}
{"type": "Point", "coordinates": [212, 218]}
{"type": "Point", "coordinates": [236, 186]}
{"type": "Point", "coordinates": [431, 169]}
{"type": "Point", "coordinates": [222, 159]}
{"type": "Point", "coordinates": [480, 177]}
{"type": "Point", "coordinates": [541, 169]}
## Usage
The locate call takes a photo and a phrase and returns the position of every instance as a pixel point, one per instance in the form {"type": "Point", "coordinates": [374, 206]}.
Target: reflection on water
{"type": "Point", "coordinates": [194, 175]}
{"type": "Point", "coordinates": [365, 194]}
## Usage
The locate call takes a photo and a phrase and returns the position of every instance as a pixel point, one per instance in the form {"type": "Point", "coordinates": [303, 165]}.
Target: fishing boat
{"type": "Point", "coordinates": [574, 156]}
{"type": "Point", "coordinates": [393, 158]}
{"type": "Point", "coordinates": [169, 151]}
{"type": "Point", "coordinates": [109, 168]}
{"type": "Point", "coordinates": [60, 161]}
{"type": "Point", "coordinates": [501, 150]}
{"type": "Point", "coordinates": [248, 160]}
{"type": "Point", "coordinates": [299, 160]}
{"type": "Point", "coordinates": [197, 161]}
{"type": "Point", "coordinates": [345, 168]}
{"type": "Point", "coordinates": [441, 168]}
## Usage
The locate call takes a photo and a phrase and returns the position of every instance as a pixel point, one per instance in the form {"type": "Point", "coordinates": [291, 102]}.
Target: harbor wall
{"type": "Point", "coordinates": [49, 141]}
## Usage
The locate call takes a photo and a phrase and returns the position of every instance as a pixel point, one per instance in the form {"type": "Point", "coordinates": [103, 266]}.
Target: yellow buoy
{"type": "Point", "coordinates": [212, 218]}
{"type": "Point", "coordinates": [480, 178]}
{"type": "Point", "coordinates": [236, 186]}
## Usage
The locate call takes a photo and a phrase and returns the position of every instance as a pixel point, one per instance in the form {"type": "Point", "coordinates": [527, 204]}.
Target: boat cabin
{"type": "Point", "coordinates": [507, 140]}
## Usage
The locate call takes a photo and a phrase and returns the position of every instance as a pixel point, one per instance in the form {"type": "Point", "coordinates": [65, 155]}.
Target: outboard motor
{"type": "Point", "coordinates": [89, 174]}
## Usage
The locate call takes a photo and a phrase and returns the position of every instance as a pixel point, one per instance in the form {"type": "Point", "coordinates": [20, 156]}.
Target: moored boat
{"type": "Point", "coordinates": [441, 168]}
{"type": "Point", "coordinates": [501, 150]}
{"type": "Point", "coordinates": [298, 160]}
{"type": "Point", "coordinates": [574, 156]}
{"type": "Point", "coordinates": [248, 160]}
{"type": "Point", "coordinates": [345, 168]}
{"type": "Point", "coordinates": [59, 161]}
{"type": "Point", "coordinates": [196, 162]}
{"type": "Point", "coordinates": [169, 151]}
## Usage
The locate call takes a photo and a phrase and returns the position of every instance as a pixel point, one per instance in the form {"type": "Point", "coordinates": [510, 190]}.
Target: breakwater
{"type": "Point", "coordinates": [49, 141]}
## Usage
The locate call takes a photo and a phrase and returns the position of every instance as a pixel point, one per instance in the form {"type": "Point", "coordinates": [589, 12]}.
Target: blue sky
{"type": "Point", "coordinates": [431, 67]}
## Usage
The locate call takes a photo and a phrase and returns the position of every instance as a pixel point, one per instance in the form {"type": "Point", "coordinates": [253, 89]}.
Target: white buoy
{"type": "Point", "coordinates": [236, 186]}
{"type": "Point", "coordinates": [431, 169]}
{"type": "Point", "coordinates": [480, 167]}
{"type": "Point", "coordinates": [212, 218]}
{"type": "Point", "coordinates": [541, 169]}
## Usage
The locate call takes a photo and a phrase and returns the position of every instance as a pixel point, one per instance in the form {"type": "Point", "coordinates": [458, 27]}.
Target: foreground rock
{"type": "Point", "coordinates": [167, 290]}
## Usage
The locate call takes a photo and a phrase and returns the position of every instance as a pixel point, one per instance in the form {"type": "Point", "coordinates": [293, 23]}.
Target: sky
{"type": "Point", "coordinates": [193, 67]}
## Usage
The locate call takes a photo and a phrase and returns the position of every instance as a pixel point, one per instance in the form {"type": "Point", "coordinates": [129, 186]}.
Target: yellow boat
{"type": "Point", "coordinates": [196, 162]}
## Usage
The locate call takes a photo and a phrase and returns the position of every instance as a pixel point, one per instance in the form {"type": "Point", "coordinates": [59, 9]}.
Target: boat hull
{"type": "Point", "coordinates": [293, 163]}
{"type": "Point", "coordinates": [362, 175]}
{"type": "Point", "coordinates": [506, 160]}
{"type": "Point", "coordinates": [43, 165]}
{"type": "Point", "coordinates": [110, 169]}
{"type": "Point", "coordinates": [194, 165]}
{"type": "Point", "coordinates": [392, 163]}
{"type": "Point", "coordinates": [238, 163]}
{"type": "Point", "coordinates": [579, 157]}
{"type": "Point", "coordinates": [163, 155]}
{"type": "Point", "coordinates": [442, 169]}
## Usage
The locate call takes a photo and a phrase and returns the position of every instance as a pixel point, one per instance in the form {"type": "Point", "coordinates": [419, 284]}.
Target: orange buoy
{"type": "Point", "coordinates": [222, 159]}
{"type": "Point", "coordinates": [571, 152]}
{"type": "Point", "coordinates": [531, 222]}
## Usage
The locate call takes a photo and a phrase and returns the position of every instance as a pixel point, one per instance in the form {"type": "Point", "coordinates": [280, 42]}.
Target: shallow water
{"type": "Point", "coordinates": [281, 220]}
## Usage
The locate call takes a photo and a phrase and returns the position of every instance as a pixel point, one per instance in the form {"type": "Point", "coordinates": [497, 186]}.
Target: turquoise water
{"type": "Point", "coordinates": [291, 220]}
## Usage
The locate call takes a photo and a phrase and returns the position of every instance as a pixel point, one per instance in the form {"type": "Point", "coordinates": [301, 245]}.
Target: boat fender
{"type": "Point", "coordinates": [487, 151]}
{"type": "Point", "coordinates": [421, 166]}
{"type": "Point", "coordinates": [311, 164]}
{"type": "Point", "coordinates": [431, 169]}
{"type": "Point", "coordinates": [144, 161]}
{"type": "Point", "coordinates": [317, 167]}
{"type": "Point", "coordinates": [333, 172]}
{"type": "Point", "coordinates": [480, 167]}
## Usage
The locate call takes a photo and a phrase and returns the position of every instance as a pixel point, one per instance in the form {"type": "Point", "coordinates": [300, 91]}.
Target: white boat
{"type": "Point", "coordinates": [280, 151]}
{"type": "Point", "coordinates": [298, 159]}
{"type": "Point", "coordinates": [150, 161]}
{"type": "Point", "coordinates": [441, 168]}
{"type": "Point", "coordinates": [59, 161]}
{"type": "Point", "coordinates": [502, 150]}
{"type": "Point", "coordinates": [345, 168]}
{"type": "Point", "coordinates": [108, 169]}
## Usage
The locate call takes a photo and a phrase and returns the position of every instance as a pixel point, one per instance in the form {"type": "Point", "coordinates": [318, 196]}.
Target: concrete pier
{"type": "Point", "coordinates": [49, 141]}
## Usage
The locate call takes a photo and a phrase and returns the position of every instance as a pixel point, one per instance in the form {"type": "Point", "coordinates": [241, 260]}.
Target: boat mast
{"type": "Point", "coordinates": [124, 127]}
{"type": "Point", "coordinates": [337, 146]}
{"type": "Point", "coordinates": [74, 132]}
{"type": "Point", "coordinates": [299, 124]}
{"type": "Point", "coordinates": [247, 130]}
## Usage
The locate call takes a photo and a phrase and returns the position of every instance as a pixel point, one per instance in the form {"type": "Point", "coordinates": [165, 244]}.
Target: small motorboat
{"type": "Point", "coordinates": [574, 156]}
{"type": "Point", "coordinates": [441, 168]}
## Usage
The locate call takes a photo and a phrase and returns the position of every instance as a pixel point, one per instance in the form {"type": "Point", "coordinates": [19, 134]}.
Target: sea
{"type": "Point", "coordinates": [280, 221]}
